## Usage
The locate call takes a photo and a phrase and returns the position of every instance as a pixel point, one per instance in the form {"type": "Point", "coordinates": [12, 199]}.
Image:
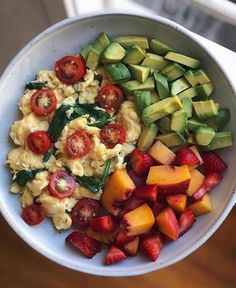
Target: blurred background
{"type": "Point", "coordinates": [214, 264]}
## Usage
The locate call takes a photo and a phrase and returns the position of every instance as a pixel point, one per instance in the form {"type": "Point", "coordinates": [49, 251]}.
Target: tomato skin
{"type": "Point", "coordinates": [33, 214]}
{"type": "Point", "coordinates": [78, 144]}
{"type": "Point", "coordinates": [43, 110]}
{"type": "Point", "coordinates": [55, 190]}
{"type": "Point", "coordinates": [83, 211]}
{"type": "Point", "coordinates": [70, 69]}
{"type": "Point", "coordinates": [39, 142]}
{"type": "Point", "coordinates": [112, 134]}
{"type": "Point", "coordinates": [110, 98]}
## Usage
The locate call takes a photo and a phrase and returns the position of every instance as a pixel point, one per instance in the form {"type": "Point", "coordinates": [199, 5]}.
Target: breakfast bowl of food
{"type": "Point", "coordinates": [117, 144]}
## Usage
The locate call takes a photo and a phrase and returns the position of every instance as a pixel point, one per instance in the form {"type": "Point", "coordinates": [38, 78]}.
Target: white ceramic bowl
{"type": "Point", "coordinates": [68, 37]}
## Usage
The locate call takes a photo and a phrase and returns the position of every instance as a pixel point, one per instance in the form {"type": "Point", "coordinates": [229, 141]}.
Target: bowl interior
{"type": "Point", "coordinates": [68, 38]}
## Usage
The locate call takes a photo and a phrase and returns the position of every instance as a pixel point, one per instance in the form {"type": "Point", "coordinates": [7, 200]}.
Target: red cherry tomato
{"type": "Point", "coordinates": [112, 134]}
{"type": "Point", "coordinates": [39, 142]}
{"type": "Point", "coordinates": [83, 211]}
{"type": "Point", "coordinates": [70, 69]}
{"type": "Point", "coordinates": [43, 102]}
{"type": "Point", "coordinates": [33, 214]}
{"type": "Point", "coordinates": [61, 185]}
{"type": "Point", "coordinates": [110, 98]}
{"type": "Point", "coordinates": [78, 144]}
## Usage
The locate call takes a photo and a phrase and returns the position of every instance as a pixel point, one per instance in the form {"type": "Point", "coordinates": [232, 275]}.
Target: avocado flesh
{"type": "Point", "coordinates": [205, 109]}
{"type": "Point", "coordinates": [193, 124]}
{"type": "Point", "coordinates": [205, 90]}
{"type": "Point", "coordinates": [127, 41]}
{"type": "Point", "coordinates": [191, 139]}
{"type": "Point", "coordinates": [164, 124]}
{"type": "Point", "coordinates": [104, 40]}
{"type": "Point", "coordinates": [134, 55]}
{"type": "Point", "coordinates": [187, 106]}
{"type": "Point", "coordinates": [191, 78]}
{"type": "Point", "coordinates": [188, 93]}
{"type": "Point", "coordinates": [221, 140]}
{"type": "Point", "coordinates": [178, 86]}
{"type": "Point", "coordinates": [204, 135]}
{"type": "Point", "coordinates": [147, 137]}
{"type": "Point", "coordinates": [155, 61]}
{"type": "Point", "coordinates": [202, 77]}
{"type": "Point", "coordinates": [172, 139]}
{"type": "Point", "coordinates": [162, 85]}
{"type": "Point", "coordinates": [182, 59]}
{"type": "Point", "coordinates": [113, 53]}
{"type": "Point", "coordinates": [154, 97]}
{"type": "Point", "coordinates": [173, 71]}
{"type": "Point", "coordinates": [159, 47]}
{"type": "Point", "coordinates": [85, 51]}
{"type": "Point", "coordinates": [220, 121]}
{"type": "Point", "coordinates": [131, 86]}
{"type": "Point", "coordinates": [93, 58]}
{"type": "Point", "coordinates": [118, 72]}
{"type": "Point", "coordinates": [139, 72]}
{"type": "Point", "coordinates": [179, 121]}
{"type": "Point", "coordinates": [142, 100]}
{"type": "Point", "coordinates": [161, 109]}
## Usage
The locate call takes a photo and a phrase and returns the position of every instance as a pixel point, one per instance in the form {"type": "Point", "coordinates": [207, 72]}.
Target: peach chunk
{"type": "Point", "coordinates": [161, 153]}
{"type": "Point", "coordinates": [177, 202]}
{"type": "Point", "coordinates": [169, 179]}
{"type": "Point", "coordinates": [167, 223]}
{"type": "Point", "coordinates": [195, 151]}
{"type": "Point", "coordinates": [105, 238]}
{"type": "Point", "coordinates": [196, 182]}
{"type": "Point", "coordinates": [139, 220]}
{"type": "Point", "coordinates": [117, 190]}
{"type": "Point", "coordinates": [202, 206]}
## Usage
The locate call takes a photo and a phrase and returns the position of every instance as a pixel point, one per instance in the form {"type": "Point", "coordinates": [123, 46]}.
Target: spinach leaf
{"type": "Point", "coordinates": [47, 156]}
{"type": "Point", "coordinates": [25, 175]}
{"type": "Point", "coordinates": [93, 184]}
{"type": "Point", "coordinates": [35, 85]}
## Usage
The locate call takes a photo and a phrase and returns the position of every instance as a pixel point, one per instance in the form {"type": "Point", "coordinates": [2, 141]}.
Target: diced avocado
{"type": "Point", "coordinates": [85, 51]}
{"type": "Point", "coordinates": [161, 109]}
{"type": "Point", "coordinates": [188, 93]}
{"type": "Point", "coordinates": [127, 41]}
{"type": "Point", "coordinates": [118, 72]}
{"type": "Point", "coordinates": [164, 124]}
{"type": "Point", "coordinates": [182, 59]}
{"type": "Point", "coordinates": [178, 86]}
{"type": "Point", "coordinates": [97, 46]}
{"type": "Point", "coordinates": [187, 106]}
{"type": "Point", "coordinates": [212, 122]}
{"type": "Point", "coordinates": [139, 72]}
{"type": "Point", "coordinates": [204, 135]}
{"type": "Point", "coordinates": [113, 53]}
{"type": "Point", "coordinates": [134, 55]}
{"type": "Point", "coordinates": [154, 97]}
{"type": "Point", "coordinates": [133, 85]}
{"type": "Point", "coordinates": [191, 78]}
{"type": "Point", "coordinates": [162, 85]}
{"type": "Point", "coordinates": [147, 137]}
{"type": "Point", "coordinates": [205, 90]}
{"type": "Point", "coordinates": [159, 47]}
{"type": "Point", "coordinates": [104, 40]}
{"type": "Point", "coordinates": [172, 139]}
{"type": "Point", "coordinates": [152, 71]}
{"type": "Point", "coordinates": [219, 122]}
{"type": "Point", "coordinates": [142, 100]}
{"type": "Point", "coordinates": [155, 61]}
{"type": "Point", "coordinates": [205, 109]}
{"type": "Point", "coordinates": [193, 124]}
{"type": "Point", "coordinates": [221, 140]}
{"type": "Point", "coordinates": [179, 121]}
{"type": "Point", "coordinates": [92, 61]}
{"type": "Point", "coordinates": [191, 139]}
{"type": "Point", "coordinates": [217, 106]}
{"type": "Point", "coordinates": [202, 77]}
{"type": "Point", "coordinates": [173, 71]}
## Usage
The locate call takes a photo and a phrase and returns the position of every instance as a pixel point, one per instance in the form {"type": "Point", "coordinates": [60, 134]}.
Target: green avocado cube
{"type": "Point", "coordinates": [139, 72]}
{"type": "Point", "coordinates": [179, 121]}
{"type": "Point", "coordinates": [134, 55]}
{"type": "Point", "coordinates": [205, 109]}
{"type": "Point", "coordinates": [113, 53]}
{"type": "Point", "coordinates": [172, 139]}
{"type": "Point", "coordinates": [147, 137]}
{"type": "Point", "coordinates": [173, 71]}
{"type": "Point", "coordinates": [178, 86]}
{"type": "Point", "coordinates": [118, 72]}
{"type": "Point", "coordinates": [155, 61]}
{"type": "Point", "coordinates": [221, 140]}
{"type": "Point", "coordinates": [182, 59]}
{"type": "Point", "coordinates": [204, 135]}
{"type": "Point", "coordinates": [127, 41]}
{"type": "Point", "coordinates": [162, 85]}
{"type": "Point", "coordinates": [159, 47]}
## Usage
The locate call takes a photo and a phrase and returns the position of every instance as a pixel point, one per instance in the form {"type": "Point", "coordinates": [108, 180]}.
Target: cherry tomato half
{"type": "Point", "coordinates": [70, 69]}
{"type": "Point", "coordinates": [83, 211]}
{"type": "Point", "coordinates": [112, 134]}
{"type": "Point", "coordinates": [33, 214]}
{"type": "Point", "coordinates": [78, 144]}
{"type": "Point", "coordinates": [61, 185]}
{"type": "Point", "coordinates": [39, 142]}
{"type": "Point", "coordinates": [110, 98]}
{"type": "Point", "coordinates": [43, 102]}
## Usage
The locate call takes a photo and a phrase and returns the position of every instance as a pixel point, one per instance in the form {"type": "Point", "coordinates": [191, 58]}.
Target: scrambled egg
{"type": "Point", "coordinates": [92, 164]}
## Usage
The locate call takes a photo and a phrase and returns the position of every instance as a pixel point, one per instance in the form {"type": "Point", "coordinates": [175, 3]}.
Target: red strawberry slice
{"type": "Point", "coordinates": [185, 156]}
{"type": "Point", "coordinates": [151, 245]}
{"type": "Point", "coordinates": [103, 224]}
{"type": "Point", "coordinates": [186, 221]}
{"type": "Point", "coordinates": [87, 245]}
{"type": "Point", "coordinates": [131, 248]}
{"type": "Point", "coordinates": [157, 208]}
{"type": "Point", "coordinates": [200, 193]}
{"type": "Point", "coordinates": [131, 204]}
{"type": "Point", "coordinates": [114, 255]}
{"type": "Point", "coordinates": [140, 162]}
{"type": "Point", "coordinates": [213, 162]}
{"type": "Point", "coordinates": [147, 192]}
{"type": "Point", "coordinates": [122, 238]}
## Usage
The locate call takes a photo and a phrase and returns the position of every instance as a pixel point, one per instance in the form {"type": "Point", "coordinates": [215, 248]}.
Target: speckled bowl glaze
{"type": "Point", "coordinates": [68, 37]}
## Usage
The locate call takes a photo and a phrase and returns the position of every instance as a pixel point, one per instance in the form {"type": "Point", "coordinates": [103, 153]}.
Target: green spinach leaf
{"type": "Point", "coordinates": [35, 85]}
{"type": "Point", "coordinates": [25, 175]}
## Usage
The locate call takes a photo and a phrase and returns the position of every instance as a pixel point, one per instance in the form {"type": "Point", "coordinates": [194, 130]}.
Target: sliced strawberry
{"type": "Point", "coordinates": [151, 245]}
{"type": "Point", "coordinates": [114, 255]}
{"type": "Point", "coordinates": [87, 245]}
{"type": "Point", "coordinates": [138, 181]}
{"type": "Point", "coordinates": [131, 204]}
{"type": "Point", "coordinates": [131, 248]}
{"type": "Point", "coordinates": [123, 239]}
{"type": "Point", "coordinates": [157, 208]}
{"type": "Point", "coordinates": [140, 162]}
{"type": "Point", "coordinates": [185, 156]}
{"type": "Point", "coordinates": [186, 221]}
{"type": "Point", "coordinates": [213, 162]}
{"type": "Point", "coordinates": [147, 192]}
{"type": "Point", "coordinates": [200, 193]}
{"type": "Point", "coordinates": [103, 224]}
{"type": "Point", "coordinates": [105, 238]}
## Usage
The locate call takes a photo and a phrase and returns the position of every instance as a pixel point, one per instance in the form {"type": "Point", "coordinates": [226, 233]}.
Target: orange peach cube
{"type": "Point", "coordinates": [177, 202]}
{"type": "Point", "coordinates": [196, 182]}
{"type": "Point", "coordinates": [202, 206]}
{"type": "Point", "coordinates": [161, 153]}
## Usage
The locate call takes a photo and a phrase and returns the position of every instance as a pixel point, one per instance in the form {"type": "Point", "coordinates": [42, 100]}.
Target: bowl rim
{"type": "Point", "coordinates": [144, 268]}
